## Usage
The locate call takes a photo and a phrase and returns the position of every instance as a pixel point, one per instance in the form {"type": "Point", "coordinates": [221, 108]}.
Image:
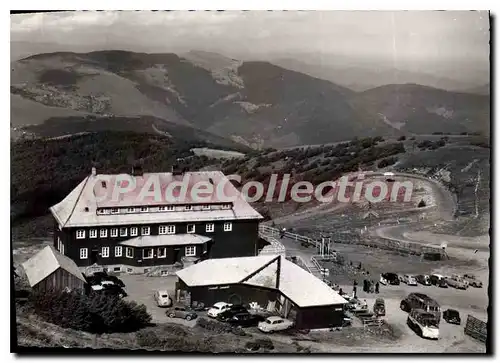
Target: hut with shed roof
{"type": "Point", "coordinates": [50, 270]}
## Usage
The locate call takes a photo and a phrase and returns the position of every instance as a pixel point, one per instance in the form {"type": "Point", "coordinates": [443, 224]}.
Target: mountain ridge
{"type": "Point", "coordinates": [256, 103]}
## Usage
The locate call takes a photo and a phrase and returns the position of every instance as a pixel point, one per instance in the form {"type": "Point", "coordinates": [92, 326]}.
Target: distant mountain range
{"type": "Point", "coordinates": [218, 99]}
{"type": "Point", "coordinates": [363, 77]}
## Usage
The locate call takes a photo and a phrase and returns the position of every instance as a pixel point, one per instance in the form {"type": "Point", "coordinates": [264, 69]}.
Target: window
{"type": "Point", "coordinates": [205, 207]}
{"type": "Point", "coordinates": [59, 243]}
{"type": "Point", "coordinates": [170, 208]}
{"type": "Point", "coordinates": [187, 207]}
{"type": "Point", "coordinates": [210, 227]}
{"type": "Point", "coordinates": [146, 270]}
{"type": "Point", "coordinates": [161, 209]}
{"type": "Point", "coordinates": [144, 231]}
{"type": "Point", "coordinates": [228, 226]}
{"type": "Point", "coordinates": [80, 234]}
{"type": "Point", "coordinates": [147, 253]}
{"type": "Point", "coordinates": [162, 252]}
{"type": "Point", "coordinates": [118, 251]}
{"type": "Point", "coordinates": [190, 251]}
{"type": "Point", "coordinates": [114, 232]}
{"type": "Point", "coordinates": [114, 210]}
{"type": "Point", "coordinates": [117, 269]}
{"type": "Point", "coordinates": [131, 210]}
{"type": "Point", "coordinates": [103, 233]}
{"type": "Point", "coordinates": [62, 248]}
{"type": "Point", "coordinates": [226, 206]}
{"type": "Point", "coordinates": [134, 231]}
{"type": "Point", "coordinates": [170, 229]}
{"type": "Point", "coordinates": [123, 232]}
{"type": "Point", "coordinates": [129, 270]}
{"type": "Point", "coordinates": [83, 253]}
{"type": "Point", "coordinates": [144, 209]}
{"type": "Point", "coordinates": [190, 228]}
{"type": "Point", "coordinates": [93, 233]}
{"type": "Point", "coordinates": [105, 252]}
{"type": "Point", "coordinates": [129, 252]}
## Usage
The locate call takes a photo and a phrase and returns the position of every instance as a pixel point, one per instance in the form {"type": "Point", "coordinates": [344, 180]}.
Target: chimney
{"type": "Point", "coordinates": [94, 172]}
{"type": "Point", "coordinates": [137, 170]}
{"type": "Point", "coordinates": [176, 170]}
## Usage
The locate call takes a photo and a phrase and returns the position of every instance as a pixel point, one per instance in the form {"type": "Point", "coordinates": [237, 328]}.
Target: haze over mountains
{"type": "Point", "coordinates": [254, 103]}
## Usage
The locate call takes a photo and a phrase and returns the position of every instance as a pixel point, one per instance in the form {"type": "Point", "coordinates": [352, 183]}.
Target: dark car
{"type": "Point", "coordinates": [245, 319]}
{"type": "Point", "coordinates": [391, 278]}
{"type": "Point", "coordinates": [438, 280]}
{"type": "Point", "coordinates": [114, 279]}
{"type": "Point", "coordinates": [423, 280]}
{"type": "Point", "coordinates": [181, 311]}
{"type": "Point", "coordinates": [234, 309]}
{"type": "Point", "coordinates": [114, 290]}
{"type": "Point", "coordinates": [379, 307]}
{"type": "Point", "coordinates": [452, 316]}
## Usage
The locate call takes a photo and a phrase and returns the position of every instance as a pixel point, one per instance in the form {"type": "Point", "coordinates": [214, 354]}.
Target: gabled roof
{"type": "Point", "coordinates": [79, 208]}
{"type": "Point", "coordinates": [298, 285]}
{"type": "Point", "coordinates": [45, 262]}
{"type": "Point", "coordinates": [166, 240]}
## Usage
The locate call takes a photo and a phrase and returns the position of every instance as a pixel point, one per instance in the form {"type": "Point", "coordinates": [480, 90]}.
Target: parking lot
{"type": "Point", "coordinates": [140, 289]}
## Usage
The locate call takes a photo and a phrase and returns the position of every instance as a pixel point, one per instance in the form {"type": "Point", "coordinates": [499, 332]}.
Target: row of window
{"type": "Point", "coordinates": [145, 231]}
{"type": "Point", "coordinates": [190, 251]}
{"type": "Point", "coordinates": [163, 208]}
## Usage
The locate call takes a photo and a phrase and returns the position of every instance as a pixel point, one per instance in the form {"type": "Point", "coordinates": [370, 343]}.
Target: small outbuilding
{"type": "Point", "coordinates": [48, 269]}
{"type": "Point", "coordinates": [272, 282]}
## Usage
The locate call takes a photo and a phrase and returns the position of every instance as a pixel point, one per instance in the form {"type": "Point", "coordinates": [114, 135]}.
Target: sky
{"type": "Point", "coordinates": [430, 41]}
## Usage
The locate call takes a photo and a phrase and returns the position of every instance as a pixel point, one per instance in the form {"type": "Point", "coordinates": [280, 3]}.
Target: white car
{"type": "Point", "coordinates": [162, 298]}
{"type": "Point", "coordinates": [410, 280]}
{"type": "Point", "coordinates": [274, 323]}
{"type": "Point", "coordinates": [382, 280]}
{"type": "Point", "coordinates": [218, 308]}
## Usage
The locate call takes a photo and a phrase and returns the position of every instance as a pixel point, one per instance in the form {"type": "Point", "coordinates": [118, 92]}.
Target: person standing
{"type": "Point", "coordinates": [377, 287]}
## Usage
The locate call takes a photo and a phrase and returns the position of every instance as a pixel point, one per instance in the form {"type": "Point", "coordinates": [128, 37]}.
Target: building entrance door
{"type": "Point", "coordinates": [176, 255]}
{"type": "Point", "coordinates": [94, 254]}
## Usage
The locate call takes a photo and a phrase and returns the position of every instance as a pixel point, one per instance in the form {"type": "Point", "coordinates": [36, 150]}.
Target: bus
{"type": "Point", "coordinates": [417, 300]}
{"type": "Point", "coordinates": [423, 323]}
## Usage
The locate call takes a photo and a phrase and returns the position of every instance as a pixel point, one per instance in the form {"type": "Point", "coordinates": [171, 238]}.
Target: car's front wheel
{"type": "Point", "coordinates": [171, 315]}
{"type": "Point", "coordinates": [188, 317]}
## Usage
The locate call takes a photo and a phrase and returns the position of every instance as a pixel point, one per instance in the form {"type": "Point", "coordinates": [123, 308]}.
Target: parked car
{"type": "Point", "coordinates": [457, 282]}
{"type": "Point", "coordinates": [232, 310]}
{"type": "Point", "coordinates": [410, 280]}
{"type": "Point", "coordinates": [275, 323]}
{"type": "Point", "coordinates": [438, 280]}
{"type": "Point", "coordinates": [115, 290]}
{"type": "Point", "coordinates": [162, 298]}
{"type": "Point", "coordinates": [245, 319]}
{"type": "Point", "coordinates": [452, 316]}
{"type": "Point", "coordinates": [218, 308]}
{"type": "Point", "coordinates": [379, 307]}
{"type": "Point", "coordinates": [115, 280]}
{"type": "Point", "coordinates": [425, 324]}
{"type": "Point", "coordinates": [417, 300]}
{"type": "Point", "coordinates": [390, 278]}
{"type": "Point", "coordinates": [180, 311]}
{"type": "Point", "coordinates": [423, 279]}
{"type": "Point", "coordinates": [472, 280]}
